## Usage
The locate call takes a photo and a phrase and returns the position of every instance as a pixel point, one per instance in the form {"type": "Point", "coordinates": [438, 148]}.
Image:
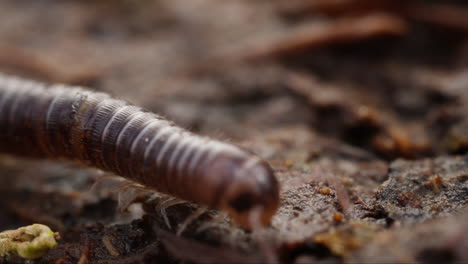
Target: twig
{"type": "Point", "coordinates": [310, 37]}
{"type": "Point", "coordinates": [437, 14]}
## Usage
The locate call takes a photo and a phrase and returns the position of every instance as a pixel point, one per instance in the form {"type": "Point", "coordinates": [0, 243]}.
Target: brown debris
{"type": "Point", "coordinates": [200, 253]}
{"type": "Point", "coordinates": [310, 37]}
{"type": "Point", "coordinates": [32, 65]}
{"type": "Point", "coordinates": [338, 217]}
{"type": "Point", "coordinates": [325, 191]}
{"type": "Point", "coordinates": [438, 14]}
{"type": "Point", "coordinates": [107, 241]}
{"type": "Point", "coordinates": [354, 120]}
{"type": "Point", "coordinates": [409, 199]}
{"type": "Point", "coordinates": [343, 240]}
{"type": "Point", "coordinates": [435, 184]}
{"type": "Point", "coordinates": [342, 31]}
{"type": "Point", "coordinates": [294, 8]}
{"type": "Point", "coordinates": [84, 257]}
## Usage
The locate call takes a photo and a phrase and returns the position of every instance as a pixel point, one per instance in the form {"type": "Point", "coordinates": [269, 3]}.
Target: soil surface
{"type": "Point", "coordinates": [360, 106]}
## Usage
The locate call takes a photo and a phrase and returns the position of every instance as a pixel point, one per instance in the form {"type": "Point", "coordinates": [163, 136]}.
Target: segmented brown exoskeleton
{"type": "Point", "coordinates": [64, 122]}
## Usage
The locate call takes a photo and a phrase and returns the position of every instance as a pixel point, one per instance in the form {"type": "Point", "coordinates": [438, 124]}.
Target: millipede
{"type": "Point", "coordinates": [64, 122]}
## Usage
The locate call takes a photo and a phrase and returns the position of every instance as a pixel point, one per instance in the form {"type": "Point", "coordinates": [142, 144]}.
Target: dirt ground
{"type": "Point", "coordinates": [360, 106]}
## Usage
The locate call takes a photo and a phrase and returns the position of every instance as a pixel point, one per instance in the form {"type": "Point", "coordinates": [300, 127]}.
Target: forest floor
{"type": "Point", "coordinates": [360, 106]}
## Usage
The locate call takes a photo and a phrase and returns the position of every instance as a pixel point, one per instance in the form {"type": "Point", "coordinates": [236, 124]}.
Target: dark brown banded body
{"type": "Point", "coordinates": [63, 122]}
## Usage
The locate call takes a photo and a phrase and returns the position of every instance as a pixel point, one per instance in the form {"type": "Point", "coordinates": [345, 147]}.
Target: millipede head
{"type": "Point", "coordinates": [254, 188]}
{"type": "Point", "coordinates": [112, 135]}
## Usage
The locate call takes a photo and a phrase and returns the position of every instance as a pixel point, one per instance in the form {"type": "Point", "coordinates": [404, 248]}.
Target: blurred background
{"type": "Point", "coordinates": [359, 105]}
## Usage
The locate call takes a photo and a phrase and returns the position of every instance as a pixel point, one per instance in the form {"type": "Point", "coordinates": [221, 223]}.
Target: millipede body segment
{"type": "Point", "coordinates": [64, 122]}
